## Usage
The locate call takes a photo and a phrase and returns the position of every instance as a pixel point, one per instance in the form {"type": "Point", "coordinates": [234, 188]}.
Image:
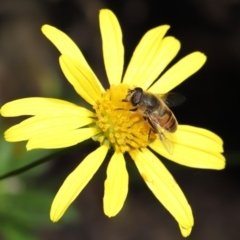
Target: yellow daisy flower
{"type": "Point", "coordinates": [56, 123]}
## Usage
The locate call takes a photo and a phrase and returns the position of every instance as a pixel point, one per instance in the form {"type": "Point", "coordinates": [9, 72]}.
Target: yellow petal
{"type": "Point", "coordinates": [76, 181]}
{"type": "Point", "coordinates": [116, 185]}
{"type": "Point", "coordinates": [183, 69]}
{"type": "Point", "coordinates": [42, 106]}
{"type": "Point", "coordinates": [190, 135]}
{"type": "Point", "coordinates": [67, 47]}
{"type": "Point", "coordinates": [44, 124]}
{"type": "Point", "coordinates": [168, 50]}
{"type": "Point", "coordinates": [193, 147]}
{"type": "Point", "coordinates": [146, 57]}
{"type": "Point", "coordinates": [60, 139]}
{"type": "Point", "coordinates": [113, 51]}
{"type": "Point", "coordinates": [82, 80]}
{"type": "Point", "coordinates": [163, 186]}
{"type": "Point", "coordinates": [185, 232]}
{"type": "Point", "coordinates": [63, 43]}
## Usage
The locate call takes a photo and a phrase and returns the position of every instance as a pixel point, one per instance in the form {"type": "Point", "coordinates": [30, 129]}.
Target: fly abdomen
{"type": "Point", "coordinates": [168, 121]}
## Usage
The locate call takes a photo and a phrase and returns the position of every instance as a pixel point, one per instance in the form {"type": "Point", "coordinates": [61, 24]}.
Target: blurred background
{"type": "Point", "coordinates": [29, 67]}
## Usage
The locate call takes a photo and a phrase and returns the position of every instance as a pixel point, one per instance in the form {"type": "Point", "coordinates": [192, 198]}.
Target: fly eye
{"type": "Point", "coordinates": [136, 97]}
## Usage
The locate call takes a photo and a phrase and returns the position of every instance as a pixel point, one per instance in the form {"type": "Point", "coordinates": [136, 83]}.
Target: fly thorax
{"type": "Point", "coordinates": [150, 102]}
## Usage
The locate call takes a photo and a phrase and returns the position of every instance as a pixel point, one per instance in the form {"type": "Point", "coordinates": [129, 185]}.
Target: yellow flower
{"type": "Point", "coordinates": [56, 123]}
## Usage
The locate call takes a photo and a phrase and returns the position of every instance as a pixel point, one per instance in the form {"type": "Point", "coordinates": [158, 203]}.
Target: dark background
{"type": "Point", "coordinates": [29, 67]}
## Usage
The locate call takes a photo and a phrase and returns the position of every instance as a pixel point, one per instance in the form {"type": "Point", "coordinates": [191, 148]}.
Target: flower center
{"type": "Point", "coordinates": [121, 128]}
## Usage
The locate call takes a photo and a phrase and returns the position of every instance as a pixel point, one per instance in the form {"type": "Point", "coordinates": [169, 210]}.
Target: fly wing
{"type": "Point", "coordinates": [172, 99]}
{"type": "Point", "coordinates": [166, 139]}
{"type": "Point", "coordinates": [164, 135]}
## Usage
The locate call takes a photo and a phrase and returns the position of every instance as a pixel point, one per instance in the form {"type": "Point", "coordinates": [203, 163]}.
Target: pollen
{"type": "Point", "coordinates": [122, 126]}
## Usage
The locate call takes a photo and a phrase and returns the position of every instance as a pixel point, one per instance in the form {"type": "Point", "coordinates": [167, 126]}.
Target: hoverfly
{"type": "Point", "coordinates": [155, 109]}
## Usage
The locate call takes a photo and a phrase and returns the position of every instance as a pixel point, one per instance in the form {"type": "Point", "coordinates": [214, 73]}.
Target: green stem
{"type": "Point", "coordinates": [32, 165]}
